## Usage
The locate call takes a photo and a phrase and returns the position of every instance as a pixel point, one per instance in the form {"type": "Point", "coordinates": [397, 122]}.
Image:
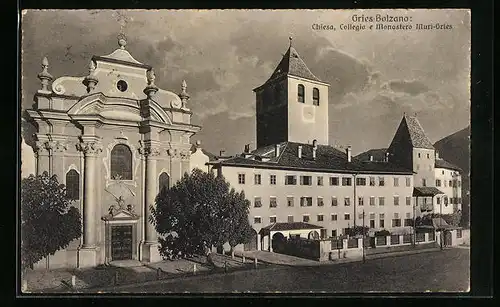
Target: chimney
{"type": "Point", "coordinates": [315, 147]}
{"type": "Point", "coordinates": [371, 158]}
{"type": "Point", "coordinates": [300, 151]}
{"type": "Point", "coordinates": [348, 152]}
{"type": "Point", "coordinates": [221, 152]}
{"type": "Point", "coordinates": [386, 157]}
{"type": "Point", "coordinates": [437, 155]}
{"type": "Point", "coordinates": [277, 150]}
{"type": "Point", "coordinates": [247, 148]}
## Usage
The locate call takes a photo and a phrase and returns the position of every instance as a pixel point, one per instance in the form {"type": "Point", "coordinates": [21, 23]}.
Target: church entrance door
{"type": "Point", "coordinates": [121, 242]}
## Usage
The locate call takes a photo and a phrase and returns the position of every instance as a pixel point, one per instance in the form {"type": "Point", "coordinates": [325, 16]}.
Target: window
{"type": "Point", "coordinates": [346, 181]}
{"type": "Point", "coordinates": [360, 216]}
{"type": "Point", "coordinates": [290, 180]}
{"type": "Point", "coordinates": [347, 201]}
{"type": "Point", "coordinates": [300, 93]}
{"type": "Point", "coordinates": [419, 155]}
{"type": "Point", "coordinates": [372, 216]}
{"type": "Point", "coordinates": [241, 178]}
{"type": "Point", "coordinates": [306, 201]}
{"type": "Point", "coordinates": [272, 179]}
{"type": "Point", "coordinates": [121, 86]}
{"type": "Point", "coordinates": [381, 201]}
{"type": "Point", "coordinates": [381, 181]}
{"type": "Point", "coordinates": [408, 181]}
{"type": "Point", "coordinates": [428, 156]}
{"type": "Point", "coordinates": [272, 219]}
{"type": "Point", "coordinates": [164, 182]}
{"type": "Point", "coordinates": [334, 201]}
{"type": "Point", "coordinates": [408, 200]}
{"type": "Point", "coordinates": [361, 201]}
{"type": "Point", "coordinates": [72, 185]}
{"type": "Point", "coordinates": [257, 220]}
{"type": "Point", "coordinates": [450, 183]}
{"type": "Point", "coordinates": [396, 182]}
{"type": "Point", "coordinates": [257, 179]}
{"type": "Point", "coordinates": [289, 201]}
{"type": "Point", "coordinates": [372, 181]}
{"type": "Point", "coordinates": [372, 201]}
{"type": "Point", "coordinates": [372, 223]}
{"type": "Point", "coordinates": [347, 216]}
{"type": "Point", "coordinates": [334, 233]}
{"type": "Point", "coordinates": [396, 200]}
{"type": "Point", "coordinates": [438, 200]}
{"type": "Point", "coordinates": [334, 180]}
{"type": "Point", "coordinates": [396, 223]}
{"type": "Point", "coordinates": [408, 215]}
{"type": "Point", "coordinates": [381, 221]}
{"type": "Point", "coordinates": [408, 222]}
{"type": "Point", "coordinates": [290, 219]}
{"type": "Point", "coordinates": [320, 217]}
{"type": "Point", "coordinates": [438, 183]}
{"type": "Point", "coordinates": [305, 218]}
{"type": "Point", "coordinates": [257, 202]}
{"type": "Point", "coordinates": [320, 180]}
{"type": "Point", "coordinates": [121, 162]}
{"type": "Point", "coordinates": [424, 182]}
{"type": "Point", "coordinates": [320, 202]}
{"type": "Point", "coordinates": [272, 202]}
{"type": "Point", "coordinates": [334, 217]}
{"type": "Point", "coordinates": [442, 172]}
{"type": "Point", "coordinates": [315, 97]}
{"type": "Point", "coordinates": [323, 233]}
{"type": "Point", "coordinates": [396, 215]}
{"type": "Point", "coordinates": [361, 181]}
{"type": "Point", "coordinates": [305, 180]}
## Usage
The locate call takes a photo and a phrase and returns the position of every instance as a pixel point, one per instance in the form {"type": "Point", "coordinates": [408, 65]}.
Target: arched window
{"type": "Point", "coordinates": [164, 182]}
{"type": "Point", "coordinates": [121, 162]}
{"type": "Point", "coordinates": [300, 93]}
{"type": "Point", "coordinates": [73, 185]}
{"type": "Point", "coordinates": [315, 97]}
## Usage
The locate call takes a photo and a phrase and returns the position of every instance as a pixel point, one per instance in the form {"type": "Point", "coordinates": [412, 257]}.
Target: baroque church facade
{"type": "Point", "coordinates": [115, 140]}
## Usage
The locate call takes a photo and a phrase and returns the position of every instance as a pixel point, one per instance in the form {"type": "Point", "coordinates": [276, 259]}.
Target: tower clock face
{"type": "Point", "coordinates": [308, 113]}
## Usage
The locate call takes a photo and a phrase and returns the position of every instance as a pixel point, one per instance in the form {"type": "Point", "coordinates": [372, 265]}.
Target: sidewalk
{"type": "Point", "coordinates": [129, 272]}
{"type": "Point", "coordinates": [282, 259]}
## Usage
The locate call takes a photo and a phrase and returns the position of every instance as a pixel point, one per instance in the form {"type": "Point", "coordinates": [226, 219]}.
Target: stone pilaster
{"type": "Point", "coordinates": [88, 251]}
{"type": "Point", "coordinates": [57, 151]}
{"type": "Point", "coordinates": [42, 152]}
{"type": "Point", "coordinates": [150, 251]}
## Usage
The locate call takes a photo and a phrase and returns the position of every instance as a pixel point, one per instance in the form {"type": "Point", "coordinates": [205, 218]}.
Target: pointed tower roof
{"type": "Point", "coordinates": [293, 65]}
{"type": "Point", "coordinates": [411, 132]}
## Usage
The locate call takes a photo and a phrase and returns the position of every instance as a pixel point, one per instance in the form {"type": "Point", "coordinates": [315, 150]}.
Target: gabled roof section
{"type": "Point", "coordinates": [328, 159]}
{"type": "Point", "coordinates": [441, 163]}
{"type": "Point", "coordinates": [410, 131]}
{"type": "Point", "coordinates": [378, 155]}
{"type": "Point", "coordinates": [121, 56]}
{"type": "Point", "coordinates": [293, 65]}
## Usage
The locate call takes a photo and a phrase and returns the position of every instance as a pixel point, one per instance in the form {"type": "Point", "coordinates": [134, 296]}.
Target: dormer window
{"type": "Point", "coordinates": [301, 93]}
{"type": "Point", "coordinates": [315, 97]}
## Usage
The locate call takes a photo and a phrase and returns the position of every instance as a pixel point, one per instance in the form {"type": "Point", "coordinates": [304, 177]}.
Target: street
{"type": "Point", "coordinates": [446, 271]}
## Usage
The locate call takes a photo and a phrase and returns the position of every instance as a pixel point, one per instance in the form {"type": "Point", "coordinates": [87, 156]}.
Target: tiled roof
{"type": "Point", "coordinates": [426, 191]}
{"type": "Point", "coordinates": [290, 226]}
{"type": "Point", "coordinates": [410, 131]}
{"type": "Point", "coordinates": [292, 64]}
{"type": "Point", "coordinates": [328, 159]}
{"type": "Point", "coordinates": [440, 163]}
{"type": "Point", "coordinates": [377, 154]}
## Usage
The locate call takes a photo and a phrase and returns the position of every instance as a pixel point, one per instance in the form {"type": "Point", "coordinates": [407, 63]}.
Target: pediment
{"type": "Point", "coordinates": [116, 108]}
{"type": "Point", "coordinates": [120, 215]}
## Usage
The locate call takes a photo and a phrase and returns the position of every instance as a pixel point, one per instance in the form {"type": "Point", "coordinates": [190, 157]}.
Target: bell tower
{"type": "Point", "coordinates": [292, 105]}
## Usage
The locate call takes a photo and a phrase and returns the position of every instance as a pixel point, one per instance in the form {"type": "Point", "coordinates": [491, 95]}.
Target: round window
{"type": "Point", "coordinates": [122, 86]}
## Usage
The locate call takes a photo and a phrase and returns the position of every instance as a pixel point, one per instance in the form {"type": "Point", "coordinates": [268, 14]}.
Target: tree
{"type": "Point", "coordinates": [48, 221]}
{"type": "Point", "coordinates": [198, 212]}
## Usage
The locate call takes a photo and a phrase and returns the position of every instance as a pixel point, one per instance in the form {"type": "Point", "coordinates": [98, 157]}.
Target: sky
{"type": "Point", "coordinates": [374, 76]}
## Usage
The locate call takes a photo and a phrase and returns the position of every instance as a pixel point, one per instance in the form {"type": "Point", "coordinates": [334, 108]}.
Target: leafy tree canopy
{"type": "Point", "coordinates": [200, 211]}
{"type": "Point", "coordinates": [48, 221]}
